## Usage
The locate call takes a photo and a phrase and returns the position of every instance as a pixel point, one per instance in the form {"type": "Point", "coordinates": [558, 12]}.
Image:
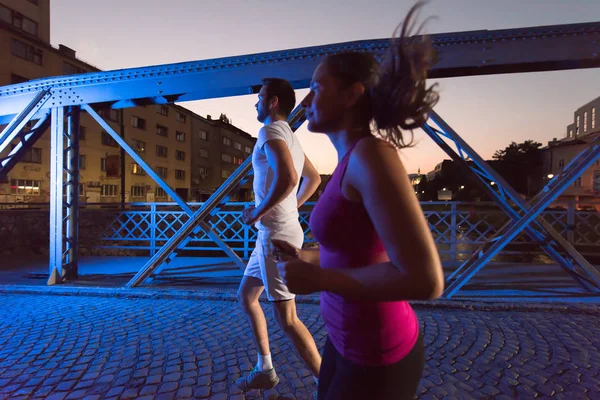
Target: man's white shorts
{"type": "Point", "coordinates": [262, 266]}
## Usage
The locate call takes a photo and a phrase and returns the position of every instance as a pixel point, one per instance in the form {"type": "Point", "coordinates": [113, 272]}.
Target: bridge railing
{"type": "Point", "coordinates": [459, 228]}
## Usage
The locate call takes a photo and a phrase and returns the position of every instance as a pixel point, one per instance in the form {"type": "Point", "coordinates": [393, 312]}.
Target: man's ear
{"type": "Point", "coordinates": [273, 102]}
{"type": "Point", "coordinates": [353, 94]}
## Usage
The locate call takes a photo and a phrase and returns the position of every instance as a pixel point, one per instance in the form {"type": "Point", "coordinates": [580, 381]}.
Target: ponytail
{"type": "Point", "coordinates": [401, 99]}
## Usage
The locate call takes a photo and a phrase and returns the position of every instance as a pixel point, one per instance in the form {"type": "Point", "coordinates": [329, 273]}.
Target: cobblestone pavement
{"type": "Point", "coordinates": [79, 347]}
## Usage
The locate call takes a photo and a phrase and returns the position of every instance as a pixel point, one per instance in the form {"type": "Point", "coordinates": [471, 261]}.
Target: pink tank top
{"type": "Point", "coordinates": [368, 333]}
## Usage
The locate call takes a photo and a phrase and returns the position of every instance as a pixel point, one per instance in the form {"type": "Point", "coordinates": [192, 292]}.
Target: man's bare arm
{"type": "Point", "coordinates": [310, 182]}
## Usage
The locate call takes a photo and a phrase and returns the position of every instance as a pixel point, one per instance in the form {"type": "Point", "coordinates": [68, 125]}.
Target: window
{"type": "Point", "coordinates": [225, 173]}
{"type": "Point", "coordinates": [577, 183]}
{"type": "Point", "coordinates": [561, 163]}
{"type": "Point", "coordinates": [203, 135]}
{"type": "Point", "coordinates": [107, 140]}
{"type": "Point", "coordinates": [24, 186]}
{"type": "Point", "coordinates": [138, 146]}
{"type": "Point", "coordinates": [181, 117]}
{"type": "Point", "coordinates": [162, 151]}
{"type": "Point", "coordinates": [81, 161]}
{"type": "Point", "coordinates": [577, 128]}
{"type": "Point", "coordinates": [180, 155]}
{"type": "Point", "coordinates": [162, 172]}
{"type": "Point", "coordinates": [162, 130]}
{"type": "Point", "coordinates": [585, 121]}
{"type": "Point", "coordinates": [203, 153]}
{"type": "Point", "coordinates": [70, 69]}
{"type": "Point", "coordinates": [237, 146]}
{"type": "Point", "coordinates": [5, 14]}
{"type": "Point", "coordinates": [203, 171]}
{"type": "Point", "coordinates": [570, 133]}
{"type": "Point", "coordinates": [593, 117]}
{"type": "Point", "coordinates": [103, 164]}
{"type": "Point", "coordinates": [179, 174]}
{"type": "Point", "coordinates": [226, 157]}
{"type": "Point", "coordinates": [82, 132]}
{"type": "Point", "coordinates": [32, 155]}
{"type": "Point", "coordinates": [14, 79]}
{"type": "Point", "coordinates": [30, 26]}
{"type": "Point", "coordinates": [247, 149]}
{"type": "Point", "coordinates": [18, 20]}
{"type": "Point", "coordinates": [180, 136]}
{"type": "Point", "coordinates": [226, 141]}
{"type": "Point", "coordinates": [138, 122]}
{"type": "Point", "coordinates": [109, 190]}
{"type": "Point", "coordinates": [136, 169]}
{"type": "Point", "coordinates": [237, 160]}
{"type": "Point", "coordinates": [26, 52]}
{"type": "Point", "coordinates": [109, 113]}
{"type": "Point", "coordinates": [138, 191]}
{"type": "Point", "coordinates": [163, 110]}
{"type": "Point", "coordinates": [160, 192]}
{"type": "Point", "coordinates": [82, 189]}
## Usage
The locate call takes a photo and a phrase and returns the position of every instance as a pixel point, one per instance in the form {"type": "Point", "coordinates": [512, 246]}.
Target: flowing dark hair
{"type": "Point", "coordinates": [396, 97]}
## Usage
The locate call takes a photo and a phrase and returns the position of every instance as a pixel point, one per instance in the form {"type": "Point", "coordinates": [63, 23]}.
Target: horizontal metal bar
{"type": "Point", "coordinates": [459, 54]}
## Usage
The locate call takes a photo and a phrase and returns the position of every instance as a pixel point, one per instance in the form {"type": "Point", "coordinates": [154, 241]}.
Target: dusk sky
{"type": "Point", "coordinates": [488, 112]}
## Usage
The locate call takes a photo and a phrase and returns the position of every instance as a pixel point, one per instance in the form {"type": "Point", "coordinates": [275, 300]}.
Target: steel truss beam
{"type": "Point", "coordinates": [26, 140]}
{"type": "Point", "coordinates": [64, 195]}
{"type": "Point", "coordinates": [539, 230]}
{"type": "Point", "coordinates": [189, 230]}
{"type": "Point", "coordinates": [56, 195]}
{"type": "Point", "coordinates": [459, 54]}
{"type": "Point", "coordinates": [14, 130]}
{"type": "Point", "coordinates": [148, 169]}
{"type": "Point", "coordinates": [72, 199]}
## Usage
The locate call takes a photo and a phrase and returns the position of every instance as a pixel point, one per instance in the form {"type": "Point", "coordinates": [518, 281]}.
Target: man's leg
{"type": "Point", "coordinates": [263, 375]}
{"type": "Point", "coordinates": [298, 334]}
{"type": "Point", "coordinates": [248, 294]}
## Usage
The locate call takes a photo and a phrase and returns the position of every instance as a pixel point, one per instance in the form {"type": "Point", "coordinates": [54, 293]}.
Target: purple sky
{"type": "Point", "coordinates": [489, 112]}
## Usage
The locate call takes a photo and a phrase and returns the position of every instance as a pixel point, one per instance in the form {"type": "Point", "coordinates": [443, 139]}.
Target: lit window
{"type": "Point", "coordinates": [25, 187]}
{"type": "Point", "coordinates": [136, 169]}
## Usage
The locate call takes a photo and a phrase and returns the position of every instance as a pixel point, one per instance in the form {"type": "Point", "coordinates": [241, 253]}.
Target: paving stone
{"type": "Point", "coordinates": [187, 348]}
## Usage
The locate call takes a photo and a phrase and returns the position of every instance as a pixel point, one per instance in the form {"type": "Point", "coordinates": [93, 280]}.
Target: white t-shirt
{"type": "Point", "coordinates": [285, 214]}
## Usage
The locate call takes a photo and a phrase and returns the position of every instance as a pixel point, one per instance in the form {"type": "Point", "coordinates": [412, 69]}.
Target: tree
{"type": "Point", "coordinates": [521, 165]}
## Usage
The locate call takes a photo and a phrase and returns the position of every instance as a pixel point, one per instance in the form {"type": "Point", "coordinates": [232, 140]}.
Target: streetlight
{"type": "Point", "coordinates": [462, 186]}
{"type": "Point", "coordinates": [492, 183]}
{"type": "Point", "coordinates": [550, 176]}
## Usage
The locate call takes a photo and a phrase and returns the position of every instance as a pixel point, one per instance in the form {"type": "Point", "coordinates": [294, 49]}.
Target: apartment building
{"type": "Point", "coordinates": [167, 137]}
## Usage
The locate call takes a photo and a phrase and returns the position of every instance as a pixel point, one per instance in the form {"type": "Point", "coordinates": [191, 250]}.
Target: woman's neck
{"type": "Point", "coordinates": [344, 139]}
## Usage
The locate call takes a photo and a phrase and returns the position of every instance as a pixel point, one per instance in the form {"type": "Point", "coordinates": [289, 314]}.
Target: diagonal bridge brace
{"type": "Point", "coordinates": [133, 154]}
{"type": "Point", "coordinates": [26, 139]}
{"type": "Point", "coordinates": [548, 240]}
{"type": "Point", "coordinates": [528, 214]}
{"type": "Point", "coordinates": [190, 229]}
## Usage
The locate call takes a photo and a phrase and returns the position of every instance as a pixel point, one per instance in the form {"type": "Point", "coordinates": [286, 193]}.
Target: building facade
{"type": "Point", "coordinates": [559, 153]}
{"type": "Point", "coordinates": [218, 148]}
{"type": "Point", "coordinates": [167, 137]}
